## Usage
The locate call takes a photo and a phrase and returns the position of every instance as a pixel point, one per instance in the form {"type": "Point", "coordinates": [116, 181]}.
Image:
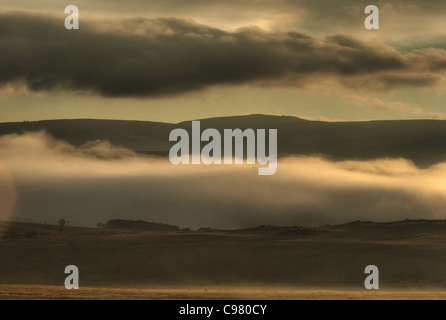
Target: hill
{"type": "Point", "coordinates": [138, 225]}
{"type": "Point", "coordinates": [422, 141]}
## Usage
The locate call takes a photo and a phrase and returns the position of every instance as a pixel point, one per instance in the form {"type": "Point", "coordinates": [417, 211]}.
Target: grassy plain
{"type": "Point", "coordinates": [261, 263]}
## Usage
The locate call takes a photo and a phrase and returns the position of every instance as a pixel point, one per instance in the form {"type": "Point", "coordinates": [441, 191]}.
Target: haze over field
{"type": "Point", "coordinates": [97, 181]}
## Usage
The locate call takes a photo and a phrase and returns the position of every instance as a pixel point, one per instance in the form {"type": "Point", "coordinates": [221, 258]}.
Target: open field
{"type": "Point", "coordinates": [104, 293]}
{"type": "Point", "coordinates": [260, 263]}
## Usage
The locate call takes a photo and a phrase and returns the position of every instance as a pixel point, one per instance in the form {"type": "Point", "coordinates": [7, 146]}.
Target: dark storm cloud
{"type": "Point", "coordinates": [163, 56]}
{"type": "Point", "coordinates": [390, 81]}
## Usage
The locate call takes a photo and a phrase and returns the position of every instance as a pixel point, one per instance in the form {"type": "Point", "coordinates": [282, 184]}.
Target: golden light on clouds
{"type": "Point", "coordinates": [97, 182]}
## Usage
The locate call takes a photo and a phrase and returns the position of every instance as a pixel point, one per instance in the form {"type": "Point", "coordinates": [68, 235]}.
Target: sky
{"type": "Point", "coordinates": [177, 60]}
{"type": "Point", "coordinates": [174, 61]}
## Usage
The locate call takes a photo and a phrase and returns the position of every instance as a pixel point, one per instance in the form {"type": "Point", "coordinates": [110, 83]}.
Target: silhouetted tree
{"type": "Point", "coordinates": [61, 223]}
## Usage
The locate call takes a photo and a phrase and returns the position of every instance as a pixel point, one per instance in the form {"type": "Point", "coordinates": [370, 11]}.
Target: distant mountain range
{"type": "Point", "coordinates": [423, 141]}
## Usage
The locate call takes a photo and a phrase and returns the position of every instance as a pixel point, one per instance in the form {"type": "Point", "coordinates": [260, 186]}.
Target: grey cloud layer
{"type": "Point", "coordinates": [170, 56]}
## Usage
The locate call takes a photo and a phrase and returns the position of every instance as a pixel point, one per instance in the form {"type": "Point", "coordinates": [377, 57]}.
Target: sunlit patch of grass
{"type": "Point", "coordinates": [200, 293]}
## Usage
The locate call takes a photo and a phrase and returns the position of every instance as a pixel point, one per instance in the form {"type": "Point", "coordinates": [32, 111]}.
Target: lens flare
{"type": "Point", "coordinates": [8, 198]}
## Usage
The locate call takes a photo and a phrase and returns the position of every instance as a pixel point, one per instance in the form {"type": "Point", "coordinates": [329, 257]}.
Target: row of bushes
{"type": "Point", "coordinates": [138, 225]}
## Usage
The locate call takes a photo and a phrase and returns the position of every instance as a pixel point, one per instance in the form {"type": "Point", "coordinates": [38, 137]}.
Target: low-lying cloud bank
{"type": "Point", "coordinates": [98, 182]}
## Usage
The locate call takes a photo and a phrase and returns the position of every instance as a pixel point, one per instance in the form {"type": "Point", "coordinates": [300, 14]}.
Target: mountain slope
{"type": "Point", "coordinates": [423, 141]}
